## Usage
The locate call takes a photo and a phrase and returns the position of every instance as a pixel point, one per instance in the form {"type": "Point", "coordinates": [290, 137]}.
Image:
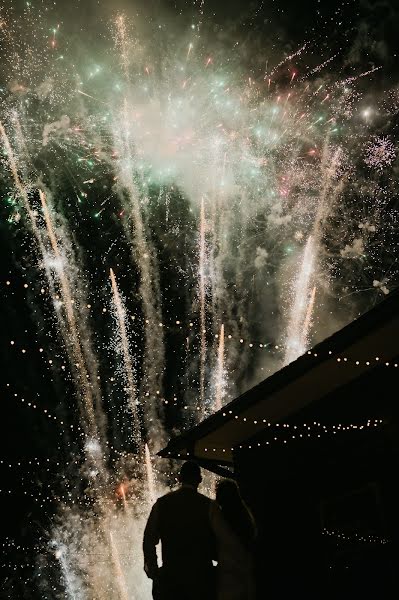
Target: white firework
{"type": "Point", "coordinates": [380, 153]}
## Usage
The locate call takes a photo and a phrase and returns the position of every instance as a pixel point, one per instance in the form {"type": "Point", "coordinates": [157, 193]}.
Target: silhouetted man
{"type": "Point", "coordinates": [180, 520]}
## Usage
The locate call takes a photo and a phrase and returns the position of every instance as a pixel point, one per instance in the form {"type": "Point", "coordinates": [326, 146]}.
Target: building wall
{"type": "Point", "coordinates": [327, 508]}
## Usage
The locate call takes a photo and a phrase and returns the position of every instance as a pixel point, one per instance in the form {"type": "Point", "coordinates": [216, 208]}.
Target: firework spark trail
{"type": "Point", "coordinates": [89, 96]}
{"type": "Point", "coordinates": [224, 218]}
{"type": "Point", "coordinates": [129, 370]}
{"type": "Point", "coordinates": [328, 191]}
{"type": "Point", "coordinates": [319, 67]}
{"type": "Point", "coordinates": [219, 249]}
{"type": "Point", "coordinates": [143, 255]}
{"type": "Point", "coordinates": [149, 292]}
{"type": "Point", "coordinates": [122, 492]}
{"type": "Point", "coordinates": [296, 341]}
{"type": "Point", "coordinates": [119, 574]}
{"type": "Point", "coordinates": [285, 60]}
{"type": "Point", "coordinates": [202, 304]}
{"type": "Point", "coordinates": [356, 77]}
{"type": "Point", "coordinates": [300, 320]}
{"type": "Point", "coordinates": [106, 550]}
{"type": "Point", "coordinates": [122, 43]}
{"type": "Point", "coordinates": [73, 586]}
{"type": "Point", "coordinates": [78, 360]}
{"type": "Point", "coordinates": [308, 318]}
{"type": "Point", "coordinates": [68, 302]}
{"type": "Point", "coordinates": [17, 181]}
{"type": "Point", "coordinates": [150, 476]}
{"type": "Point", "coordinates": [220, 374]}
{"type": "Point", "coordinates": [23, 149]}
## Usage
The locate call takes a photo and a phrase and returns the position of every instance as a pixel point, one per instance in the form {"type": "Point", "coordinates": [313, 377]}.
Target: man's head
{"type": "Point", "coordinates": [190, 474]}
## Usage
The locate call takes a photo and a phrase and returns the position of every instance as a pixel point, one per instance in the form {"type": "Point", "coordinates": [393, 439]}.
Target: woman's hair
{"type": "Point", "coordinates": [235, 511]}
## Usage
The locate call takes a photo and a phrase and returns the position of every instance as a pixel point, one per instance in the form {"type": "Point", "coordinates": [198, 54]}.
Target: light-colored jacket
{"type": "Point", "coordinates": [235, 563]}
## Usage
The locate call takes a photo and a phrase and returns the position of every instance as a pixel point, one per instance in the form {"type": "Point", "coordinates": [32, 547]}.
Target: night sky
{"type": "Point", "coordinates": [41, 435]}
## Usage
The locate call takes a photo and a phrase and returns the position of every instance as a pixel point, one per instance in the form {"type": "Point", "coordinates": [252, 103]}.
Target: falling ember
{"type": "Point", "coordinates": [120, 312]}
{"type": "Point", "coordinates": [220, 374]}
{"type": "Point", "coordinates": [150, 476]}
{"type": "Point", "coordinates": [296, 334]}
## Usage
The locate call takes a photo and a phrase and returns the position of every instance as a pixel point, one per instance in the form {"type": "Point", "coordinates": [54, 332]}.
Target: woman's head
{"type": "Point", "coordinates": [235, 511]}
{"type": "Point", "coordinates": [227, 493]}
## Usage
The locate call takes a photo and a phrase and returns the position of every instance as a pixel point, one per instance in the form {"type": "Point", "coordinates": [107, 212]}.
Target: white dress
{"type": "Point", "coordinates": [235, 564]}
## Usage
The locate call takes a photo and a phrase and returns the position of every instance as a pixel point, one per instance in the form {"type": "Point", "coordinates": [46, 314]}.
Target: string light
{"type": "Point", "coordinates": [314, 424]}
{"type": "Point", "coordinates": [355, 537]}
{"type": "Point", "coordinates": [45, 412]}
{"type": "Point", "coordinates": [250, 344]}
{"type": "Point", "coordinates": [269, 348]}
{"type": "Point", "coordinates": [302, 432]}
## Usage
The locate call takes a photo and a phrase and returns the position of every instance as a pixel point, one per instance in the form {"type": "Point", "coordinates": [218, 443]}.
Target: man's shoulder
{"type": "Point", "coordinates": [205, 499]}
{"type": "Point", "coordinates": [169, 497]}
{"type": "Point", "coordinates": [166, 497]}
{"type": "Point", "coordinates": [174, 495]}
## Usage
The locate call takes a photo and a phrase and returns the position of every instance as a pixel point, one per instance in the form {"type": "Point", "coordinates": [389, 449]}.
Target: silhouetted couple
{"type": "Point", "coordinates": [194, 531]}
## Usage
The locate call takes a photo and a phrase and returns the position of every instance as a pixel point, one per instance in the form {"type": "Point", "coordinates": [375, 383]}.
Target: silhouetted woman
{"type": "Point", "coordinates": [234, 529]}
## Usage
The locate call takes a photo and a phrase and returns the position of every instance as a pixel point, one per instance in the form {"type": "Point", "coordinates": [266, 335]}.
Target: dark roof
{"type": "Point", "coordinates": [338, 360]}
